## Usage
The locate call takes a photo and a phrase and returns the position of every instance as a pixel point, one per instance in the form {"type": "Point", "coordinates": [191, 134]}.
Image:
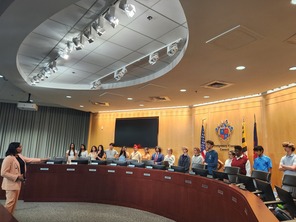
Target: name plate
{"type": "Point", "coordinates": [167, 177]}
{"type": "Point", "coordinates": [220, 192]}
{"type": "Point", "coordinates": [171, 170]}
{"type": "Point", "coordinates": [234, 199]}
{"type": "Point", "coordinates": [149, 167]}
{"type": "Point", "coordinates": [188, 181]}
{"type": "Point", "coordinates": [113, 164]}
{"type": "Point", "coordinates": [92, 170]}
{"type": "Point", "coordinates": [205, 186]}
{"type": "Point", "coordinates": [73, 163]}
{"type": "Point", "coordinates": [44, 169]}
{"type": "Point", "coordinates": [191, 173]}
{"type": "Point", "coordinates": [49, 162]}
{"type": "Point", "coordinates": [146, 174]}
{"type": "Point", "coordinates": [94, 163]}
{"type": "Point", "coordinates": [129, 172]}
{"type": "Point", "coordinates": [131, 165]}
{"type": "Point", "coordinates": [70, 169]}
{"type": "Point", "coordinates": [111, 171]}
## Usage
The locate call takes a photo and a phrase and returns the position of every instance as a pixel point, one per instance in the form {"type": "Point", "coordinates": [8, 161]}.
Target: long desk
{"type": "Point", "coordinates": [181, 197]}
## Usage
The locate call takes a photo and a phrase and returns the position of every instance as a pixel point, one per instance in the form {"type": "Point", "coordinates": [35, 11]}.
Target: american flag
{"type": "Point", "coordinates": [203, 142]}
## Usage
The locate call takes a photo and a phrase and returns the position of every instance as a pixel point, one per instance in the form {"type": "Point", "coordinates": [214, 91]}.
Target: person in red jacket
{"type": "Point", "coordinates": [242, 161]}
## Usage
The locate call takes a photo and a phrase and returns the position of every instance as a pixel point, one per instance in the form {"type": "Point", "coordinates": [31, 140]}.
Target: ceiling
{"type": "Point", "coordinates": [213, 38]}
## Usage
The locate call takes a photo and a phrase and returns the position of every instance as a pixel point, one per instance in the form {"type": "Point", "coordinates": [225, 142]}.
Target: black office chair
{"type": "Point", "coordinates": [289, 203]}
{"type": "Point", "coordinates": [261, 175]}
{"type": "Point", "coordinates": [199, 166]}
{"type": "Point", "coordinates": [289, 184]}
{"type": "Point", "coordinates": [232, 173]}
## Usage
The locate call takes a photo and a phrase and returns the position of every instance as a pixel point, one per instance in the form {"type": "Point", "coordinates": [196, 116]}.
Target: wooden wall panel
{"type": "Point", "coordinates": [275, 117]}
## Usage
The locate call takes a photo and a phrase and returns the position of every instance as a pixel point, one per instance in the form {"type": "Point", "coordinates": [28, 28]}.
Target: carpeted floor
{"type": "Point", "coordinates": [80, 212]}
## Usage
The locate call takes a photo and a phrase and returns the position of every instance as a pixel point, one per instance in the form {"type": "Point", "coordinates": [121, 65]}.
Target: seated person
{"type": "Point", "coordinates": [71, 154]}
{"type": "Point", "coordinates": [146, 155]}
{"type": "Point", "coordinates": [111, 152]}
{"type": "Point", "coordinates": [170, 157]}
{"type": "Point", "coordinates": [101, 153]}
{"type": "Point", "coordinates": [196, 158]}
{"type": "Point", "coordinates": [136, 155]}
{"type": "Point", "coordinates": [82, 152]}
{"type": "Point", "coordinates": [123, 155]}
{"type": "Point", "coordinates": [157, 157]}
{"type": "Point", "coordinates": [93, 154]}
{"type": "Point", "coordinates": [184, 159]}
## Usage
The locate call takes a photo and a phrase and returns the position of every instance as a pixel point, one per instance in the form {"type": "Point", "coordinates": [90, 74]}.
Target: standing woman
{"type": "Point", "coordinates": [71, 154]}
{"type": "Point", "coordinates": [13, 171]}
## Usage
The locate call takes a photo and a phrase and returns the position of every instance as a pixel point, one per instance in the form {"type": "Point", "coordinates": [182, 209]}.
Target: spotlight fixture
{"type": "Point", "coordinates": [77, 43]}
{"type": "Point", "coordinates": [70, 46]}
{"type": "Point", "coordinates": [41, 76]}
{"type": "Point", "coordinates": [129, 9]}
{"type": "Point", "coordinates": [53, 66]}
{"type": "Point", "coordinates": [64, 54]}
{"type": "Point", "coordinates": [88, 34]}
{"type": "Point", "coordinates": [172, 49]}
{"type": "Point", "coordinates": [36, 79]}
{"type": "Point", "coordinates": [98, 26]}
{"type": "Point", "coordinates": [153, 58]}
{"type": "Point", "coordinates": [110, 17]}
{"type": "Point", "coordinates": [119, 74]}
{"type": "Point", "coordinates": [293, 2]}
{"type": "Point", "coordinates": [96, 85]}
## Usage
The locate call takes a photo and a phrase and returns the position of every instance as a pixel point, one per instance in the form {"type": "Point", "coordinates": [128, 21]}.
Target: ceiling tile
{"type": "Point", "coordinates": [130, 39]}
{"type": "Point", "coordinates": [154, 28]}
{"type": "Point", "coordinates": [171, 9]}
{"type": "Point", "coordinates": [132, 57]}
{"type": "Point", "coordinates": [87, 67]}
{"type": "Point", "coordinates": [151, 47]}
{"type": "Point", "coordinates": [179, 32]}
{"type": "Point", "coordinates": [113, 50]}
{"type": "Point", "coordinates": [98, 59]}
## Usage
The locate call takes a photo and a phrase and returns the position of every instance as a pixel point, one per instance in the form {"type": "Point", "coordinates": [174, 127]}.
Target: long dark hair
{"type": "Point", "coordinates": [12, 148]}
{"type": "Point", "coordinates": [79, 154]}
{"type": "Point", "coordinates": [101, 154]}
{"type": "Point", "coordinates": [70, 149]}
{"type": "Point", "coordinates": [123, 152]}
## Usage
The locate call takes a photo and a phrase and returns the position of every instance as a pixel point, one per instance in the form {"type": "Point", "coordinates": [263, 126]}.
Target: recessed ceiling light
{"type": "Point", "coordinates": [240, 67]}
{"type": "Point", "coordinates": [206, 97]}
{"type": "Point", "coordinates": [293, 2]}
{"type": "Point", "coordinates": [130, 99]}
{"type": "Point", "coordinates": [141, 105]}
{"type": "Point", "coordinates": [1, 76]}
{"type": "Point", "coordinates": [182, 90]}
{"type": "Point", "coordinates": [292, 68]}
{"type": "Point", "coordinates": [81, 106]}
{"type": "Point", "coordinates": [68, 97]}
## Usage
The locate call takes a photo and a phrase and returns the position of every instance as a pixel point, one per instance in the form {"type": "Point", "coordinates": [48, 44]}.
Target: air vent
{"type": "Point", "coordinates": [99, 103]}
{"type": "Point", "coordinates": [217, 85]}
{"type": "Point", "coordinates": [159, 98]}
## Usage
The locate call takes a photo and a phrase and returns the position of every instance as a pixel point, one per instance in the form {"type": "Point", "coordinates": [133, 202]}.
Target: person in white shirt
{"type": "Point", "coordinates": [71, 153]}
{"type": "Point", "coordinates": [136, 155]}
{"type": "Point", "coordinates": [111, 152]}
{"type": "Point", "coordinates": [196, 158]}
{"type": "Point", "coordinates": [93, 154]}
{"type": "Point", "coordinates": [231, 155]}
{"type": "Point", "coordinates": [170, 157]}
{"type": "Point", "coordinates": [82, 152]}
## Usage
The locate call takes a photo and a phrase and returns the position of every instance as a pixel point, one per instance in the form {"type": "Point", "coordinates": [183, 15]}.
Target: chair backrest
{"type": "Point", "coordinates": [231, 170]}
{"type": "Point", "coordinates": [120, 163]}
{"type": "Point", "coordinates": [289, 180]}
{"type": "Point", "coordinates": [287, 198]}
{"type": "Point", "coordinates": [199, 166]}
{"type": "Point", "coordinates": [289, 184]}
{"type": "Point", "coordinates": [200, 172]}
{"type": "Point", "coordinates": [261, 175]}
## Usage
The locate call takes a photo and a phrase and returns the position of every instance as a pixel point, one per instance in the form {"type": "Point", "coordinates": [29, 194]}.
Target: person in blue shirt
{"type": "Point", "coordinates": [211, 159]}
{"type": "Point", "coordinates": [262, 162]}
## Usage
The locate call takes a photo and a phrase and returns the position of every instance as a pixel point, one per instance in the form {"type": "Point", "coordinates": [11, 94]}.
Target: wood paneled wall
{"type": "Point", "coordinates": [275, 117]}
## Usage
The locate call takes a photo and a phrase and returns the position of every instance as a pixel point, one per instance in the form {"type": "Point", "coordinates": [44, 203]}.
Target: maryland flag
{"type": "Point", "coordinates": [244, 141]}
